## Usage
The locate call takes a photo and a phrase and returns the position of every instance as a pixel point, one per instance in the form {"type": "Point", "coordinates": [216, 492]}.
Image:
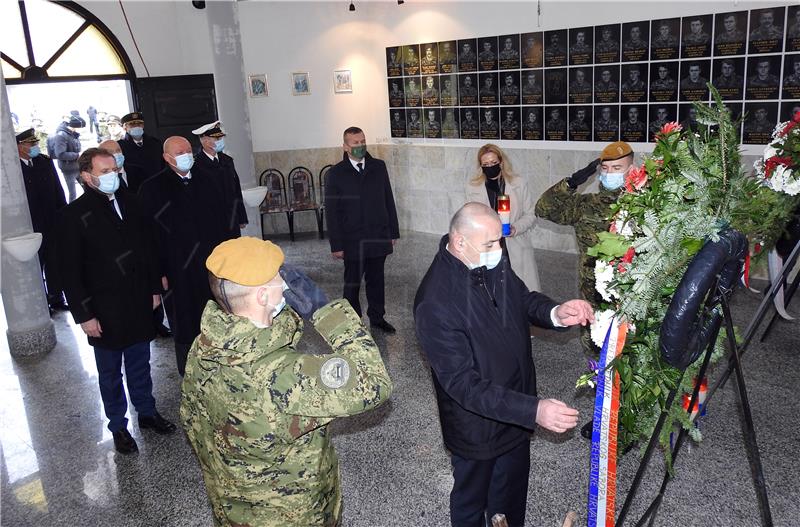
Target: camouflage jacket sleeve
{"type": "Point", "coordinates": [561, 204]}
{"type": "Point", "coordinates": [351, 380]}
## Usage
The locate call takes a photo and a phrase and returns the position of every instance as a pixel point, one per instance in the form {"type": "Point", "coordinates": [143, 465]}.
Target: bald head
{"type": "Point", "coordinates": [110, 145]}
{"type": "Point", "coordinates": [475, 229]}
{"type": "Point", "coordinates": [177, 145]}
{"type": "Point", "coordinates": [473, 216]}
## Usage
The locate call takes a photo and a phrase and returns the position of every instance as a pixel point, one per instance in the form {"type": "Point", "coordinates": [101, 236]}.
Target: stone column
{"type": "Point", "coordinates": [30, 330]}
{"type": "Point", "coordinates": [230, 83]}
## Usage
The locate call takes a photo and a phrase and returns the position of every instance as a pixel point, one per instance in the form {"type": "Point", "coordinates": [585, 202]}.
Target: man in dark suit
{"type": "Point", "coordinates": [141, 151]}
{"type": "Point", "coordinates": [362, 223]}
{"type": "Point", "coordinates": [45, 199]}
{"type": "Point", "coordinates": [111, 278]}
{"type": "Point", "coordinates": [188, 219]}
{"type": "Point", "coordinates": [221, 170]}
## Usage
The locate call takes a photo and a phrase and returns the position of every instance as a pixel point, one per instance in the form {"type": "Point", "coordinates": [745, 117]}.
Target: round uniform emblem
{"type": "Point", "coordinates": [335, 372]}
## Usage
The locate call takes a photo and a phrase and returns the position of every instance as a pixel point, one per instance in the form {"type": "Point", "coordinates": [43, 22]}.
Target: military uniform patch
{"type": "Point", "coordinates": [334, 373]}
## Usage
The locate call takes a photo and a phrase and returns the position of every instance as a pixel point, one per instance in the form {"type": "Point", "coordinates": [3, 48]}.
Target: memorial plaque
{"type": "Point", "coordinates": [632, 127]}
{"type": "Point", "coordinates": [634, 83]}
{"type": "Point", "coordinates": [728, 78]}
{"type": "Point", "coordinates": [448, 90]}
{"type": "Point", "coordinates": [580, 123]}
{"type": "Point", "coordinates": [760, 122]}
{"type": "Point", "coordinates": [509, 126]}
{"type": "Point", "coordinates": [509, 88]}
{"type": "Point", "coordinates": [430, 93]}
{"type": "Point", "coordinates": [580, 46]}
{"type": "Point", "coordinates": [793, 28]}
{"type": "Point", "coordinates": [532, 92]}
{"type": "Point", "coordinates": [766, 30]}
{"type": "Point", "coordinates": [762, 79]}
{"type": "Point", "coordinates": [664, 43]}
{"type": "Point", "coordinates": [532, 50]}
{"type": "Point", "coordinates": [410, 55]}
{"type": "Point", "coordinates": [555, 129]}
{"type": "Point", "coordinates": [791, 77]}
{"type": "Point", "coordinates": [687, 114]}
{"type": "Point", "coordinates": [663, 86]}
{"type": "Point", "coordinates": [490, 127]}
{"type": "Point", "coordinates": [487, 54]}
{"type": "Point", "coordinates": [414, 123]}
{"type": "Point", "coordinates": [508, 58]}
{"type": "Point", "coordinates": [397, 122]}
{"type": "Point", "coordinates": [396, 95]}
{"type": "Point", "coordinates": [487, 95]}
{"type": "Point", "coordinates": [532, 123]}
{"type": "Point", "coordinates": [789, 109]}
{"type": "Point", "coordinates": [394, 66]}
{"type": "Point", "coordinates": [467, 56]}
{"type": "Point", "coordinates": [450, 125]}
{"type": "Point", "coordinates": [432, 124]}
{"type": "Point", "coordinates": [555, 86]}
{"type": "Point", "coordinates": [696, 36]}
{"type": "Point", "coordinates": [606, 44]}
{"type": "Point", "coordinates": [469, 123]}
{"type": "Point", "coordinates": [580, 85]}
{"type": "Point", "coordinates": [606, 84]}
{"type": "Point", "coordinates": [730, 37]}
{"type": "Point", "coordinates": [694, 80]}
{"type": "Point", "coordinates": [429, 64]}
{"type": "Point", "coordinates": [635, 41]}
{"type": "Point", "coordinates": [555, 48]}
{"type": "Point", "coordinates": [468, 89]}
{"type": "Point", "coordinates": [448, 59]}
{"type": "Point", "coordinates": [606, 124]}
{"type": "Point", "coordinates": [660, 114]}
{"type": "Point", "coordinates": [413, 91]}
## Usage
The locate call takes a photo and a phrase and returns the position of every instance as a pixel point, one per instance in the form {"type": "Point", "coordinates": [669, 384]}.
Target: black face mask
{"type": "Point", "coordinates": [492, 171]}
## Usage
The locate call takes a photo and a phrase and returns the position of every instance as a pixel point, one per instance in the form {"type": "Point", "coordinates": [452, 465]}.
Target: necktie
{"type": "Point", "coordinates": [360, 168]}
{"type": "Point", "coordinates": [114, 205]}
{"type": "Point", "coordinates": [216, 161]}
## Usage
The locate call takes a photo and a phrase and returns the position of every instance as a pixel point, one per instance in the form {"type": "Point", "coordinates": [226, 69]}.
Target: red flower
{"type": "Point", "coordinates": [796, 116]}
{"type": "Point", "coordinates": [636, 179]}
{"type": "Point", "coordinates": [613, 227]}
{"type": "Point", "coordinates": [628, 257]}
{"type": "Point", "coordinates": [669, 128]}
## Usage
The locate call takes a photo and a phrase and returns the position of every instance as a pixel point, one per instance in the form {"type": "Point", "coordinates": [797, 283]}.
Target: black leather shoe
{"type": "Point", "coordinates": [383, 326]}
{"type": "Point", "coordinates": [157, 423]}
{"type": "Point", "coordinates": [123, 442]}
{"type": "Point", "coordinates": [586, 430]}
{"type": "Point", "coordinates": [163, 331]}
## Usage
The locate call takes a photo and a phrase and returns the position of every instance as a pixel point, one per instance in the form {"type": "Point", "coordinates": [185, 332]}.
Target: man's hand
{"type": "Point", "coordinates": [92, 328]}
{"type": "Point", "coordinates": [574, 312]}
{"type": "Point", "coordinates": [156, 301]}
{"type": "Point", "coordinates": [242, 225]}
{"type": "Point", "coordinates": [580, 177]}
{"type": "Point", "coordinates": [394, 242]}
{"type": "Point", "coordinates": [164, 283]}
{"type": "Point", "coordinates": [556, 416]}
{"type": "Point", "coordinates": [338, 255]}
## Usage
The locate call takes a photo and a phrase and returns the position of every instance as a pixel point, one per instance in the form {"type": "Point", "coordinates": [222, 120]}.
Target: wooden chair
{"type": "Point", "coordinates": [302, 196]}
{"type": "Point", "coordinates": [275, 201]}
{"type": "Point", "coordinates": [323, 183]}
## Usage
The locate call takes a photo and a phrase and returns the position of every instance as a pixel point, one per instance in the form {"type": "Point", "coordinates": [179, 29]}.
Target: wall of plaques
{"type": "Point", "coordinates": [601, 83]}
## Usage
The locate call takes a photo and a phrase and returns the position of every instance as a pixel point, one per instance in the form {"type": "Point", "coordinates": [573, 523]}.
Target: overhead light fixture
{"type": "Point", "coordinates": [352, 6]}
{"type": "Point", "coordinates": [401, 2]}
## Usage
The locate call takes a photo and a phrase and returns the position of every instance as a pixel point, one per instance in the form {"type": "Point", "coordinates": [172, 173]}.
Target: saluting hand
{"type": "Point", "coordinates": [556, 416]}
{"type": "Point", "coordinates": [92, 328]}
{"type": "Point", "coordinates": [574, 312]}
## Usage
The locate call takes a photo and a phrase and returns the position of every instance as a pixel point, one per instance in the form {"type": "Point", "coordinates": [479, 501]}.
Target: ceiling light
{"type": "Point", "coordinates": [352, 7]}
{"type": "Point", "coordinates": [401, 2]}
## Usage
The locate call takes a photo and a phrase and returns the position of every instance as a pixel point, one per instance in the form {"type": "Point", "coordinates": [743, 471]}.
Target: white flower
{"type": "Point", "coordinates": [778, 129]}
{"type": "Point", "coordinates": [599, 328]}
{"type": "Point", "coordinates": [791, 186]}
{"type": "Point", "coordinates": [770, 151]}
{"type": "Point", "coordinates": [622, 226]}
{"type": "Point", "coordinates": [603, 274]}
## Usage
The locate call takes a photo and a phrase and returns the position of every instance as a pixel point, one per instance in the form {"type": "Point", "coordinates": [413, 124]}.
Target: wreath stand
{"type": "Point", "coordinates": [717, 299]}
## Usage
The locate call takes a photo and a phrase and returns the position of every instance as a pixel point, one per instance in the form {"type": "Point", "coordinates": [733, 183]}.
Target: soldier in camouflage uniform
{"type": "Point", "coordinates": [255, 410]}
{"type": "Point", "coordinates": [588, 213]}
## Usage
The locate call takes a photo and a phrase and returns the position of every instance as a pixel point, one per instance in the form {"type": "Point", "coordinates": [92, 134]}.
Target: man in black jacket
{"type": "Point", "coordinates": [362, 223]}
{"type": "Point", "coordinates": [142, 151]}
{"type": "Point", "coordinates": [66, 147]}
{"type": "Point", "coordinates": [473, 317]}
{"type": "Point", "coordinates": [111, 279]}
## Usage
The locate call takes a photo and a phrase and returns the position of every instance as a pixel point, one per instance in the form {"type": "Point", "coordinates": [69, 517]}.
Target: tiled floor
{"type": "Point", "coordinates": [59, 466]}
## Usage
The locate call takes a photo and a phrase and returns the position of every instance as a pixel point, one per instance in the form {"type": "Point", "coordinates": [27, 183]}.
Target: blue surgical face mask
{"type": "Point", "coordinates": [612, 180]}
{"type": "Point", "coordinates": [34, 151]}
{"type": "Point", "coordinates": [119, 157]}
{"type": "Point", "coordinates": [184, 162]}
{"type": "Point", "coordinates": [108, 183]}
{"type": "Point", "coordinates": [219, 146]}
{"type": "Point", "coordinates": [488, 259]}
{"type": "Point", "coordinates": [136, 132]}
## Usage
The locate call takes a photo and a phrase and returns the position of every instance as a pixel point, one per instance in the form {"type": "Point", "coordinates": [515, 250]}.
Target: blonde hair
{"type": "Point", "coordinates": [506, 170]}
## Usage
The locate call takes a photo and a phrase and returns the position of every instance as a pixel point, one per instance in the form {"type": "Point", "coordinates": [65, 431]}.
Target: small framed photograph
{"type": "Point", "coordinates": [258, 85]}
{"type": "Point", "coordinates": [300, 83]}
{"type": "Point", "coordinates": [342, 81]}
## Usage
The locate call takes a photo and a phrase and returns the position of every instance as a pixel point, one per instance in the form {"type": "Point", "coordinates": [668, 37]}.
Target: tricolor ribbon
{"type": "Point", "coordinates": [603, 470]}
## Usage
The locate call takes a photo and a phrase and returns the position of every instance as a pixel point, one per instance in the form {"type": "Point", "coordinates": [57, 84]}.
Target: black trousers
{"type": "Point", "coordinates": [181, 355]}
{"type": "Point", "coordinates": [487, 487]}
{"type": "Point", "coordinates": [372, 271]}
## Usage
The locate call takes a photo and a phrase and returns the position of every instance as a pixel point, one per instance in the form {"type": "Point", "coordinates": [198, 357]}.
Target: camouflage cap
{"type": "Point", "coordinates": [245, 261]}
{"type": "Point", "coordinates": [616, 150]}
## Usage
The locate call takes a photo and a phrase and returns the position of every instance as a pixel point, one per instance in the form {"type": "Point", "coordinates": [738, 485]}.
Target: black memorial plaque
{"type": "Point", "coordinates": [448, 86]}
{"type": "Point", "coordinates": [635, 41]}
{"type": "Point", "coordinates": [687, 115]}
{"type": "Point", "coordinates": [694, 80]}
{"type": "Point", "coordinates": [696, 36]}
{"type": "Point", "coordinates": [469, 123]}
{"type": "Point", "coordinates": [430, 90]}
{"type": "Point", "coordinates": [532, 91]}
{"type": "Point", "coordinates": [532, 123]}
{"type": "Point", "coordinates": [532, 50]}
{"type": "Point", "coordinates": [760, 122]}
{"type": "Point", "coordinates": [397, 122]}
{"type": "Point", "coordinates": [606, 123]}
{"type": "Point", "coordinates": [509, 88]}
{"type": "Point", "coordinates": [632, 125]}
{"type": "Point", "coordinates": [663, 83]}
{"type": "Point", "coordinates": [580, 85]}
{"type": "Point", "coordinates": [762, 77]}
{"type": "Point", "coordinates": [414, 123]}
{"type": "Point", "coordinates": [728, 78]}
{"type": "Point", "coordinates": [394, 64]}
{"type": "Point", "coordinates": [468, 89]}
{"type": "Point", "coordinates": [490, 126]}
{"type": "Point", "coordinates": [432, 124]}
{"type": "Point", "coordinates": [789, 109]}
{"type": "Point", "coordinates": [487, 53]}
{"type": "Point", "coordinates": [555, 86]}
{"type": "Point", "coordinates": [735, 109]}
{"type": "Point", "coordinates": [448, 56]}
{"type": "Point", "coordinates": [410, 56]}
{"type": "Point", "coordinates": [555, 129]}
{"type": "Point", "coordinates": [766, 30]}
{"type": "Point", "coordinates": [634, 83]}
{"type": "Point", "coordinates": [580, 46]}
{"type": "Point", "coordinates": [396, 95]}
{"type": "Point", "coordinates": [793, 28]}
{"type": "Point", "coordinates": [509, 126]}
{"type": "Point", "coordinates": [429, 63]}
{"type": "Point", "coordinates": [664, 42]}
{"type": "Point", "coordinates": [413, 91]}
{"type": "Point", "coordinates": [450, 124]}
{"type": "Point", "coordinates": [730, 33]}
{"type": "Point", "coordinates": [791, 77]}
{"type": "Point", "coordinates": [660, 114]}
{"type": "Point", "coordinates": [606, 44]}
{"type": "Point", "coordinates": [606, 84]}
{"type": "Point", "coordinates": [580, 123]}
{"type": "Point", "coordinates": [508, 57]}
{"type": "Point", "coordinates": [555, 48]}
{"type": "Point", "coordinates": [487, 94]}
{"type": "Point", "coordinates": [467, 56]}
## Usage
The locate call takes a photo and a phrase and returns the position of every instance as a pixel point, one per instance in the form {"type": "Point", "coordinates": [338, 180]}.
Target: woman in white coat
{"type": "Point", "coordinates": [494, 177]}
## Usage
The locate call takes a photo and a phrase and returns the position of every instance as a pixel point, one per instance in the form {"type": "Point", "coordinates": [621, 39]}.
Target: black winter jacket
{"type": "Point", "coordinates": [66, 148]}
{"type": "Point", "coordinates": [474, 328]}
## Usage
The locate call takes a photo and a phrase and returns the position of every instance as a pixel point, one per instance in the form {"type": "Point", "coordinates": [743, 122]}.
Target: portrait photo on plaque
{"type": "Point", "coordinates": [634, 83]}
{"type": "Point", "coordinates": [397, 122]}
{"type": "Point", "coordinates": [509, 88]}
{"type": "Point", "coordinates": [663, 81]}
{"type": "Point", "coordinates": [759, 123]}
{"type": "Point", "coordinates": [696, 36]}
{"type": "Point", "coordinates": [580, 123]}
{"type": "Point", "coordinates": [413, 91]}
{"type": "Point", "coordinates": [606, 43]}
{"type": "Point", "coordinates": [791, 77]}
{"type": "Point", "coordinates": [660, 114]}
{"type": "Point", "coordinates": [468, 89]}
{"type": "Point", "coordinates": [687, 116]}
{"type": "Point", "coordinates": [448, 90]}
{"type": "Point", "coordinates": [487, 53]}
{"type": "Point", "coordinates": [396, 93]}
{"type": "Point", "coordinates": [469, 123]}
{"type": "Point", "coordinates": [606, 123]}
{"type": "Point", "coordinates": [487, 93]}
{"type": "Point", "coordinates": [410, 55]}
{"type": "Point", "coordinates": [728, 78]}
{"type": "Point", "coordinates": [450, 123]}
{"type": "Point", "coordinates": [448, 56]}
{"type": "Point", "coordinates": [580, 46]}
{"type": "Point", "coordinates": [467, 55]}
{"type": "Point", "coordinates": [664, 39]}
{"type": "Point", "coordinates": [430, 91]}
{"type": "Point", "coordinates": [793, 28]}
{"type": "Point", "coordinates": [632, 125]}
{"type": "Point", "coordinates": [694, 80]}
{"type": "Point", "coordinates": [508, 58]}
{"type": "Point", "coordinates": [555, 86]}
{"type": "Point", "coordinates": [532, 49]}
{"type": "Point", "coordinates": [394, 65]}
{"type": "Point", "coordinates": [532, 123]}
{"type": "Point", "coordinates": [606, 83]}
{"type": "Point", "coordinates": [429, 63]}
{"type": "Point", "coordinates": [490, 125]}
{"type": "Point", "coordinates": [413, 123]}
{"type": "Point", "coordinates": [432, 124]}
{"type": "Point", "coordinates": [509, 126]}
{"type": "Point", "coordinates": [580, 85]}
{"type": "Point", "coordinates": [635, 41]}
{"type": "Point", "coordinates": [735, 109]}
{"type": "Point", "coordinates": [730, 33]}
{"type": "Point", "coordinates": [788, 109]}
{"type": "Point", "coordinates": [766, 30]}
{"type": "Point", "coordinates": [532, 91]}
{"type": "Point", "coordinates": [555, 127]}
{"type": "Point", "coordinates": [555, 48]}
{"type": "Point", "coordinates": [762, 77]}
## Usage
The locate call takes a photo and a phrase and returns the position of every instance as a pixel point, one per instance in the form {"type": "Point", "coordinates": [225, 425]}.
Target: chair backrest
{"type": "Point", "coordinates": [302, 194]}
{"type": "Point", "coordinates": [275, 200]}
{"type": "Point", "coordinates": [323, 183]}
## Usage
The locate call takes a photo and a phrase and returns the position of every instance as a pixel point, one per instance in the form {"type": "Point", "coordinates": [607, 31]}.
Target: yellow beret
{"type": "Point", "coordinates": [616, 150]}
{"type": "Point", "coordinates": [245, 261]}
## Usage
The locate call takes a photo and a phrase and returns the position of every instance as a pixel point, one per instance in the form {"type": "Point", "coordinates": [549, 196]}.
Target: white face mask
{"type": "Point", "coordinates": [276, 310]}
{"type": "Point", "coordinates": [488, 259]}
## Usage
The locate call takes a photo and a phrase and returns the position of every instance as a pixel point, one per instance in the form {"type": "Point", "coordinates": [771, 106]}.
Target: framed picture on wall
{"type": "Point", "coordinates": [258, 85]}
{"type": "Point", "coordinates": [300, 83]}
{"type": "Point", "coordinates": [342, 81]}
